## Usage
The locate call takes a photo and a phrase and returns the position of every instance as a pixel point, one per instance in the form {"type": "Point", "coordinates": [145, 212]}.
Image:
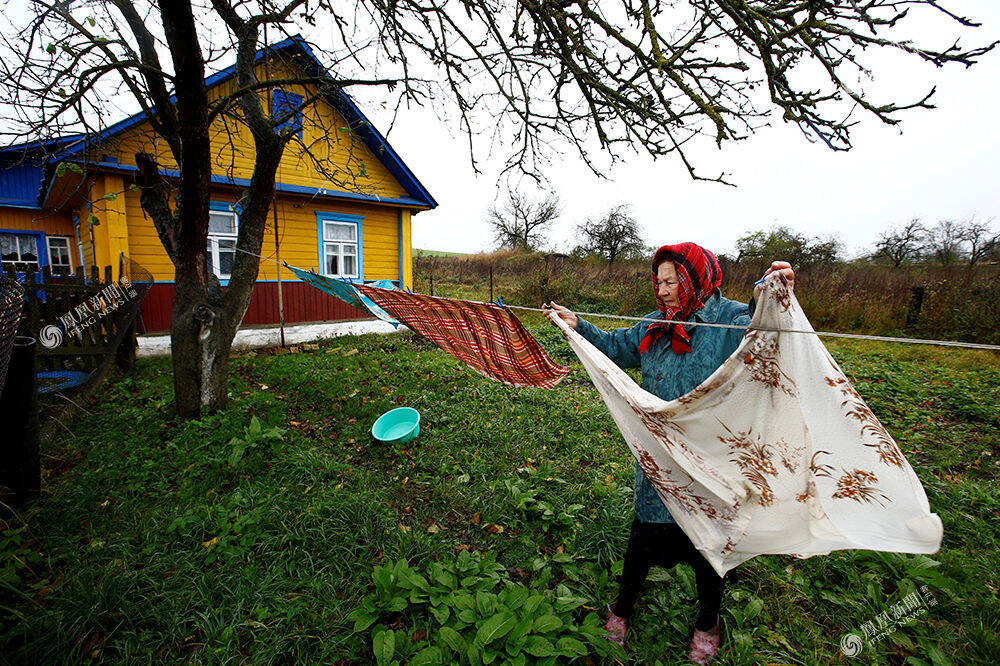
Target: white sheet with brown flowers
{"type": "Point", "coordinates": [774, 453]}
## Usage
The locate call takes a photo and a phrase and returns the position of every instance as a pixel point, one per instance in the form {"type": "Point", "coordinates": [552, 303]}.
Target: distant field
{"type": "Point", "coordinates": [436, 253]}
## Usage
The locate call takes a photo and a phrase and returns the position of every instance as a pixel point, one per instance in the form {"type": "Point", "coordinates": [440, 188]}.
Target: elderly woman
{"type": "Point", "coordinates": [674, 359]}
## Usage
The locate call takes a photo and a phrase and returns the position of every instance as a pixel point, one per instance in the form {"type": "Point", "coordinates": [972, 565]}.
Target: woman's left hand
{"type": "Point", "coordinates": [786, 270]}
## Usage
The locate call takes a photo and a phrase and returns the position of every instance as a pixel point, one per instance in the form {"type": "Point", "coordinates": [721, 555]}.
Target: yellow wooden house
{"type": "Point", "coordinates": [71, 203]}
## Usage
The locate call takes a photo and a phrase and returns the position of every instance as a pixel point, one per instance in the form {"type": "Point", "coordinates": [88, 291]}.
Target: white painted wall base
{"type": "Point", "coordinates": [270, 336]}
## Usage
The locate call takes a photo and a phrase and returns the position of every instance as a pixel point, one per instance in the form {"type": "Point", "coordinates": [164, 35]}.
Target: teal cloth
{"type": "Point", "coordinates": [346, 292]}
{"type": "Point", "coordinates": [668, 375]}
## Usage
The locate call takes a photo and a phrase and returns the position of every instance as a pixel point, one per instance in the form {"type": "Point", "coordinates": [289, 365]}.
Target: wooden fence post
{"type": "Point", "coordinates": [20, 466]}
{"type": "Point", "coordinates": [125, 355]}
{"type": "Point", "coordinates": [916, 301]}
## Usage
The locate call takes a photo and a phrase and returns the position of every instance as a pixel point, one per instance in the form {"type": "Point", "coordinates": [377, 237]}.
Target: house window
{"type": "Point", "coordinates": [222, 228]}
{"type": "Point", "coordinates": [340, 249]}
{"type": "Point", "coordinates": [59, 254]}
{"type": "Point", "coordinates": [19, 250]}
{"type": "Point", "coordinates": [286, 105]}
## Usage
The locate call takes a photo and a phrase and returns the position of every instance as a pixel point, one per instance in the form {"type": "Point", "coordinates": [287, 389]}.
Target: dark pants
{"type": "Point", "coordinates": [666, 545]}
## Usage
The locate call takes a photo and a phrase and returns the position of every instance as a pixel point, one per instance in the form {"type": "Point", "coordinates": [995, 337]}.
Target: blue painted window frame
{"type": "Point", "coordinates": [357, 220]}
{"type": "Point", "coordinates": [282, 102]}
{"type": "Point", "coordinates": [227, 208]}
{"type": "Point", "coordinates": [41, 247]}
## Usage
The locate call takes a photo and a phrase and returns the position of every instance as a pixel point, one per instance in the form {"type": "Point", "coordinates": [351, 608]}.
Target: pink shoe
{"type": "Point", "coordinates": [616, 628]}
{"type": "Point", "coordinates": [704, 645]}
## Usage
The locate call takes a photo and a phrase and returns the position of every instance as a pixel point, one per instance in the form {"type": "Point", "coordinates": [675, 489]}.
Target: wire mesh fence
{"type": "Point", "coordinates": [11, 302]}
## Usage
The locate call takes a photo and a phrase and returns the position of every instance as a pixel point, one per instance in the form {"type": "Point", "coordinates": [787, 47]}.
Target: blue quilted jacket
{"type": "Point", "coordinates": [669, 375]}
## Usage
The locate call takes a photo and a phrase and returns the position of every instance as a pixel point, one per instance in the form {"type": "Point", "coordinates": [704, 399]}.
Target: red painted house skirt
{"type": "Point", "coordinates": [301, 303]}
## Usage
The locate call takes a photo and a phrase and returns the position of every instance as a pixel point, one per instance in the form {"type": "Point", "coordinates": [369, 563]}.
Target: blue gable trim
{"type": "Point", "coordinates": [360, 124]}
{"type": "Point", "coordinates": [340, 217]}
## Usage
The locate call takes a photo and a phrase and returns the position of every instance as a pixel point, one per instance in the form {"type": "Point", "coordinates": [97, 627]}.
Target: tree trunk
{"type": "Point", "coordinates": [202, 328]}
{"type": "Point", "coordinates": [204, 319]}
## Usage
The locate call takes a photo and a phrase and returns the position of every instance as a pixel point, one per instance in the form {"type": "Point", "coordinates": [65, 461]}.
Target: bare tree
{"type": "Point", "coordinates": [613, 236]}
{"type": "Point", "coordinates": [902, 244]}
{"type": "Point", "coordinates": [522, 223]}
{"type": "Point", "coordinates": [981, 239]}
{"type": "Point", "coordinates": [945, 242]}
{"type": "Point", "coordinates": [629, 75]}
{"type": "Point", "coordinates": [75, 66]}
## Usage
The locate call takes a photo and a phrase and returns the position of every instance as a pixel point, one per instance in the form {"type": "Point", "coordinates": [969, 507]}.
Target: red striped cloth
{"type": "Point", "coordinates": [487, 338]}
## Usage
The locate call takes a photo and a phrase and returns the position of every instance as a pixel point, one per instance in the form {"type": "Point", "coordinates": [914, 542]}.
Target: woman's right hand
{"type": "Point", "coordinates": [565, 314]}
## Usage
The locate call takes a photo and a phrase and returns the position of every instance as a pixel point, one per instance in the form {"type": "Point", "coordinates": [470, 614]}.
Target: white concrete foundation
{"type": "Point", "coordinates": [270, 336]}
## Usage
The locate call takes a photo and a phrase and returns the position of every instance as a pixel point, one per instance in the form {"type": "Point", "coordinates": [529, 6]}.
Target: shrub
{"type": "Point", "coordinates": [470, 612]}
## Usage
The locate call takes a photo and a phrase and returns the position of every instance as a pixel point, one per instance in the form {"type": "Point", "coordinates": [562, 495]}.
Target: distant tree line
{"type": "Point", "coordinates": [948, 242]}
{"type": "Point", "coordinates": [524, 223]}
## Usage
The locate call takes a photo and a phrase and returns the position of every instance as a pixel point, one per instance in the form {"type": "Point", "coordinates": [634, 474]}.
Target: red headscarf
{"type": "Point", "coordinates": [699, 276]}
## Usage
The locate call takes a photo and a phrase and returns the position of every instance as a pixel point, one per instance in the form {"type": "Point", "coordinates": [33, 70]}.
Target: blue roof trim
{"type": "Point", "coordinates": [29, 146]}
{"type": "Point", "coordinates": [280, 187]}
{"type": "Point", "coordinates": [339, 100]}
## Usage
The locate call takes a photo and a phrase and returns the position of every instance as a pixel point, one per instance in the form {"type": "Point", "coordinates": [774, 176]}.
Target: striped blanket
{"type": "Point", "coordinates": [486, 337]}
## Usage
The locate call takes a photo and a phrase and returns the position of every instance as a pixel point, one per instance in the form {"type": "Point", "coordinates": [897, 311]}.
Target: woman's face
{"type": "Point", "coordinates": [666, 283]}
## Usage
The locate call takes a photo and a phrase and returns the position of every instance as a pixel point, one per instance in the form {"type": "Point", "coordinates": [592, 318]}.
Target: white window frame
{"type": "Point", "coordinates": [69, 252]}
{"type": "Point", "coordinates": [19, 260]}
{"type": "Point", "coordinates": [79, 241]}
{"type": "Point", "coordinates": [213, 243]}
{"type": "Point", "coordinates": [328, 243]}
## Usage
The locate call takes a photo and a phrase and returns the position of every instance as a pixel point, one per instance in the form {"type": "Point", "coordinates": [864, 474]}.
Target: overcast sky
{"type": "Point", "coordinates": [939, 164]}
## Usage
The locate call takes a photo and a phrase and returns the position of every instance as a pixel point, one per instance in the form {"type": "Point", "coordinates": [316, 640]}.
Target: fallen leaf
{"type": "Point", "coordinates": [210, 542]}
{"type": "Point", "coordinates": [560, 549]}
{"type": "Point", "coordinates": [475, 519]}
{"type": "Point", "coordinates": [433, 529]}
{"type": "Point", "coordinates": [493, 528]}
{"type": "Point", "coordinates": [405, 529]}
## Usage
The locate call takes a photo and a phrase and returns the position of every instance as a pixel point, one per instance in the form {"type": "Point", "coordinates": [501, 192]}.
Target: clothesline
{"type": "Point", "coordinates": [828, 334]}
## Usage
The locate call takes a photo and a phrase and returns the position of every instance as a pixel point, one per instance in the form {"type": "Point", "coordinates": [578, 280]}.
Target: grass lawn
{"type": "Point", "coordinates": [278, 531]}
